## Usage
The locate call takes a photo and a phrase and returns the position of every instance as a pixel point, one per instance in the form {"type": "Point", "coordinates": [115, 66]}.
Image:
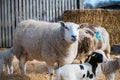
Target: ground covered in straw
{"type": "Point", "coordinates": [37, 71]}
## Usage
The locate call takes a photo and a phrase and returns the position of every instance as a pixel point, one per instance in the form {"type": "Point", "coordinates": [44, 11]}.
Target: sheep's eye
{"type": "Point", "coordinates": [86, 32]}
{"type": "Point", "coordinates": [67, 28]}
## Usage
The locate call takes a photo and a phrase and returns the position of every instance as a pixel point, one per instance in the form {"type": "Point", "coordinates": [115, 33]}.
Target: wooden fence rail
{"type": "Point", "coordinates": [14, 11]}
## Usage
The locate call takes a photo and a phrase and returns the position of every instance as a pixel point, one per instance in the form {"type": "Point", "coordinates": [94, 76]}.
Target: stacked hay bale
{"type": "Point", "coordinates": [110, 19]}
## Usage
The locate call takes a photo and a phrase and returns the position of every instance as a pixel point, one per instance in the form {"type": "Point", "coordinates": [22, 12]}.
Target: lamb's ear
{"type": "Point", "coordinates": [82, 25]}
{"type": "Point", "coordinates": [62, 23]}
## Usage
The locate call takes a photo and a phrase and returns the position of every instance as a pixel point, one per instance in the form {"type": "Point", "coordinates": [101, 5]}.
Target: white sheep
{"type": "Point", "coordinates": [45, 41]}
{"type": "Point", "coordinates": [6, 57]}
{"type": "Point", "coordinates": [92, 37]}
{"type": "Point", "coordinates": [85, 71]}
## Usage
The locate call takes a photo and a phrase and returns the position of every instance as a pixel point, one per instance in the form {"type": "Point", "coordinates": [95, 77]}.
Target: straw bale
{"type": "Point", "coordinates": [110, 19]}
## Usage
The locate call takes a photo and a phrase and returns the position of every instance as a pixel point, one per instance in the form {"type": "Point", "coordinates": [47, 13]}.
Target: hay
{"type": "Point", "coordinates": [110, 19]}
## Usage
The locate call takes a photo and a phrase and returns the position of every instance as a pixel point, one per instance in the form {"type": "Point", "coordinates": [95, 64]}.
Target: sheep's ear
{"type": "Point", "coordinates": [90, 32]}
{"type": "Point", "coordinates": [62, 23]}
{"type": "Point", "coordinates": [82, 25]}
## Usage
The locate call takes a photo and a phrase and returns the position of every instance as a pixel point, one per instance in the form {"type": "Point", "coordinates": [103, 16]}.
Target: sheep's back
{"type": "Point", "coordinates": [33, 36]}
{"type": "Point", "coordinates": [102, 43]}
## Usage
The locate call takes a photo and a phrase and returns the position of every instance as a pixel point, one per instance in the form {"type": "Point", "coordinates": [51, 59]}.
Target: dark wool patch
{"type": "Point", "coordinates": [81, 67]}
{"type": "Point", "coordinates": [83, 75]}
{"type": "Point", "coordinates": [88, 73]}
{"type": "Point", "coordinates": [91, 76]}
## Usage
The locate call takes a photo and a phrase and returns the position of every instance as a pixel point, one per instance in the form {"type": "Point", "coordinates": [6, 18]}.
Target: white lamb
{"type": "Point", "coordinates": [85, 71]}
{"type": "Point", "coordinates": [6, 57]}
{"type": "Point", "coordinates": [45, 41]}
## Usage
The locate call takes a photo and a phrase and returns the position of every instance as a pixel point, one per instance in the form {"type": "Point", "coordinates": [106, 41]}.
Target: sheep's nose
{"type": "Point", "coordinates": [74, 37]}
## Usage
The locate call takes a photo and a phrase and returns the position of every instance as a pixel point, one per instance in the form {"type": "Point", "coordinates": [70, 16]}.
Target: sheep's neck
{"type": "Point", "coordinates": [94, 65]}
{"type": "Point", "coordinates": [59, 44]}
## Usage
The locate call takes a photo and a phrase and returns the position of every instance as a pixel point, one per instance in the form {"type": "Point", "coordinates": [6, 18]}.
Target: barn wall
{"type": "Point", "coordinates": [14, 11]}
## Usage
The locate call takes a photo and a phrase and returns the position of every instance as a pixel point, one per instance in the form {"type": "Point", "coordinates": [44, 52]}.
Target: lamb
{"type": "Point", "coordinates": [92, 37]}
{"type": "Point", "coordinates": [6, 57]}
{"type": "Point", "coordinates": [85, 71]}
{"type": "Point", "coordinates": [109, 68]}
{"type": "Point", "coordinates": [45, 41]}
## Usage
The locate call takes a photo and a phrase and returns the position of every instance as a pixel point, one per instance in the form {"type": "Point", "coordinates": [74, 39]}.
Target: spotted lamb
{"type": "Point", "coordinates": [85, 71]}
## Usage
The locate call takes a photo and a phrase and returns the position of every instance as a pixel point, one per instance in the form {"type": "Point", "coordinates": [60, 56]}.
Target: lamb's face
{"type": "Point", "coordinates": [71, 32]}
{"type": "Point", "coordinates": [99, 56]}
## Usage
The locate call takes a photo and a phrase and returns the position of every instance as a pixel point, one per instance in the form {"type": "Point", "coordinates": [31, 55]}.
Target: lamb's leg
{"type": "Point", "coordinates": [1, 66]}
{"type": "Point", "coordinates": [9, 65]}
{"type": "Point", "coordinates": [10, 68]}
{"type": "Point", "coordinates": [22, 65]}
{"type": "Point", "coordinates": [110, 76]}
{"type": "Point", "coordinates": [51, 71]}
{"type": "Point", "coordinates": [7, 69]}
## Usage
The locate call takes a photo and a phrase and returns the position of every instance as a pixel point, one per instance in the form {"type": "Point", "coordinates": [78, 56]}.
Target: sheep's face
{"type": "Point", "coordinates": [85, 32]}
{"type": "Point", "coordinates": [71, 31]}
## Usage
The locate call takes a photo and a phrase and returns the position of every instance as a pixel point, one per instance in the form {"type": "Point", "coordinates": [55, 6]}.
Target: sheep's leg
{"type": "Point", "coordinates": [107, 51]}
{"type": "Point", "coordinates": [108, 54]}
{"type": "Point", "coordinates": [51, 72]}
{"type": "Point", "coordinates": [22, 65]}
